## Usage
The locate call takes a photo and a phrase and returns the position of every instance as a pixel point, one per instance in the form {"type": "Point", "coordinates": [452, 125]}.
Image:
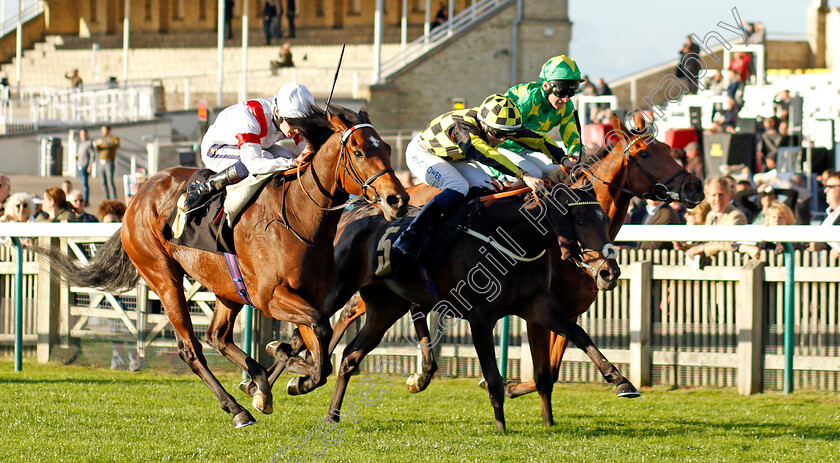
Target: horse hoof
{"type": "Point", "coordinates": [248, 386]}
{"type": "Point", "coordinates": [242, 419]}
{"type": "Point", "coordinates": [627, 391]}
{"type": "Point", "coordinates": [482, 383]}
{"type": "Point", "coordinates": [293, 386]}
{"type": "Point", "coordinates": [272, 347]}
{"type": "Point", "coordinates": [263, 403]}
{"type": "Point", "coordinates": [500, 426]}
{"type": "Point", "coordinates": [411, 383]}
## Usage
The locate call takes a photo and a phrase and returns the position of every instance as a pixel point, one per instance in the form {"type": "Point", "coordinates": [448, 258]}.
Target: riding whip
{"type": "Point", "coordinates": [335, 79]}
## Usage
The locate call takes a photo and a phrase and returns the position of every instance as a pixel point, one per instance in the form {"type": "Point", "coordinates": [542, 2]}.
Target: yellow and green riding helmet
{"type": "Point", "coordinates": [562, 75]}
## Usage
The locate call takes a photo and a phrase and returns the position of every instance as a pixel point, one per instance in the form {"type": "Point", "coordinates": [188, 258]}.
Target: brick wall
{"type": "Point", "coordinates": [471, 67]}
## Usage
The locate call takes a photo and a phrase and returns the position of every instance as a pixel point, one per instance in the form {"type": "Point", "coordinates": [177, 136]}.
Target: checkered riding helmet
{"type": "Point", "coordinates": [560, 68]}
{"type": "Point", "coordinates": [500, 112]}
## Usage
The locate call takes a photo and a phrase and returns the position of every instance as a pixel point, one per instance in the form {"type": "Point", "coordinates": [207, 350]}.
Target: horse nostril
{"type": "Point", "coordinates": [605, 274]}
{"type": "Point", "coordinates": [394, 201]}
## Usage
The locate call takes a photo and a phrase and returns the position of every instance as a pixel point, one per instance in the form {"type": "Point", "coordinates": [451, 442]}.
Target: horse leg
{"type": "Point", "coordinates": [166, 282]}
{"type": "Point", "coordinates": [348, 316]}
{"type": "Point", "coordinates": [282, 352]}
{"type": "Point", "coordinates": [384, 309]}
{"type": "Point", "coordinates": [482, 330]}
{"type": "Point", "coordinates": [316, 332]}
{"type": "Point", "coordinates": [419, 382]}
{"type": "Point", "coordinates": [220, 336]}
{"type": "Point", "coordinates": [546, 309]}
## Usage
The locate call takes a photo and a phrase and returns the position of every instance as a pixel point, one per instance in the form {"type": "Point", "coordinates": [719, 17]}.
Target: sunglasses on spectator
{"type": "Point", "coordinates": [563, 88]}
{"type": "Point", "coordinates": [22, 206]}
{"type": "Point", "coordinates": [828, 187]}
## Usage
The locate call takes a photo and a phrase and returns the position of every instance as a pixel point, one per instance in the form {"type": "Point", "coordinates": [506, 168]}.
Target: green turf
{"type": "Point", "coordinates": [58, 413]}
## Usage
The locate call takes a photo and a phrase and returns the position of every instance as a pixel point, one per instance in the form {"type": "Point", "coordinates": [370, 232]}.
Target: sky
{"type": "Point", "coordinates": [616, 38]}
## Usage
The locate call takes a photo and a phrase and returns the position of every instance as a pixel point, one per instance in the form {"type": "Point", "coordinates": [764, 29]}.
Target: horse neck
{"type": "Point", "coordinates": [506, 215]}
{"type": "Point", "coordinates": [319, 180]}
{"type": "Point", "coordinates": [613, 201]}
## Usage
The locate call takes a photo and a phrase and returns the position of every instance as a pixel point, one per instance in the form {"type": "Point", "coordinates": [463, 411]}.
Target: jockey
{"type": "Point", "coordinates": [545, 104]}
{"type": "Point", "coordinates": [243, 140]}
{"type": "Point", "coordinates": [445, 156]}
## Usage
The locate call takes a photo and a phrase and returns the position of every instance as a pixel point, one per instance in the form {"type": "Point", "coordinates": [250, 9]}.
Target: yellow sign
{"type": "Point", "coordinates": [458, 103]}
{"type": "Point", "coordinates": [716, 150]}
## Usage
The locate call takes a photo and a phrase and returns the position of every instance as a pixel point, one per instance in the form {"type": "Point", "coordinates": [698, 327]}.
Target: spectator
{"type": "Point", "coordinates": [722, 212]}
{"type": "Point", "coordinates": [658, 213]}
{"type": "Point", "coordinates": [832, 197]}
{"type": "Point", "coordinates": [285, 60]}
{"type": "Point", "coordinates": [441, 16]}
{"type": "Point", "coordinates": [679, 156]}
{"type": "Point", "coordinates": [77, 200]}
{"type": "Point", "coordinates": [269, 14]}
{"type": "Point", "coordinates": [291, 9]}
{"type": "Point", "coordinates": [110, 211]}
{"type": "Point", "coordinates": [67, 187]}
{"type": "Point", "coordinates": [19, 208]}
{"type": "Point", "coordinates": [802, 206]}
{"type": "Point", "coordinates": [776, 213]}
{"type": "Point", "coordinates": [781, 105]}
{"type": "Point", "coordinates": [107, 147]}
{"type": "Point", "coordinates": [768, 145]}
{"type": "Point", "coordinates": [75, 80]}
{"type": "Point", "coordinates": [766, 197]}
{"type": "Point", "coordinates": [56, 207]}
{"type": "Point", "coordinates": [85, 157]}
{"type": "Point", "coordinates": [741, 63]}
{"type": "Point", "coordinates": [688, 71]}
{"type": "Point", "coordinates": [229, 18]}
{"type": "Point", "coordinates": [694, 160]}
{"type": "Point", "coordinates": [5, 190]}
{"type": "Point", "coordinates": [786, 140]}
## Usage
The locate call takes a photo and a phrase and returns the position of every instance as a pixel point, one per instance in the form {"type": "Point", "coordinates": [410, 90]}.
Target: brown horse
{"type": "Point", "coordinates": [522, 290]}
{"type": "Point", "coordinates": [284, 241]}
{"type": "Point", "coordinates": [637, 165]}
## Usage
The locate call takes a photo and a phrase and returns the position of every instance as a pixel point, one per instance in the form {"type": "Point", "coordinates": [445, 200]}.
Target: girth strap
{"type": "Point", "coordinates": [236, 276]}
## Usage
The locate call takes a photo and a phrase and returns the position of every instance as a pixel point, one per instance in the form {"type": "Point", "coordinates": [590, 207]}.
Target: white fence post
{"type": "Point", "coordinates": [749, 320]}
{"type": "Point", "coordinates": [641, 276]}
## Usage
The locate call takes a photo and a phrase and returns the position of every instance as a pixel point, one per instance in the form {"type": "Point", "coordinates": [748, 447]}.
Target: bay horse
{"type": "Point", "coordinates": [635, 165]}
{"type": "Point", "coordinates": [522, 290]}
{"type": "Point", "coordinates": [284, 244]}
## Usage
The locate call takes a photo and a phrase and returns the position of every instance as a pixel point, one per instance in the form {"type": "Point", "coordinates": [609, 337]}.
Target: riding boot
{"type": "Point", "coordinates": [199, 192]}
{"type": "Point", "coordinates": [408, 242]}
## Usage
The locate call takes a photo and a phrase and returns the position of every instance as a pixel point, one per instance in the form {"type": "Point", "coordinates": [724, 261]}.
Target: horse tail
{"type": "Point", "coordinates": [110, 269]}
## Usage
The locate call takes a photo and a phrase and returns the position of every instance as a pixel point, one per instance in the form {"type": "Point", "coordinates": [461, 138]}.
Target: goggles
{"type": "Point", "coordinates": [563, 88]}
{"type": "Point", "coordinates": [499, 134]}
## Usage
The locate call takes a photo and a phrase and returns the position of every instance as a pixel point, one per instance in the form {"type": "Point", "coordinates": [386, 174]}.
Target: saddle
{"type": "Point", "coordinates": [204, 228]}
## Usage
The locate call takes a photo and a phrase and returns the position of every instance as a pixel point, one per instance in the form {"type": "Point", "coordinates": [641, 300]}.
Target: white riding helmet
{"type": "Point", "coordinates": [293, 100]}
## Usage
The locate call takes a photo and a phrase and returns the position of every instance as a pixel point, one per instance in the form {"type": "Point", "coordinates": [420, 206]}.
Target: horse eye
{"type": "Point", "coordinates": [358, 154]}
{"type": "Point", "coordinates": [644, 154]}
{"type": "Point", "coordinates": [581, 222]}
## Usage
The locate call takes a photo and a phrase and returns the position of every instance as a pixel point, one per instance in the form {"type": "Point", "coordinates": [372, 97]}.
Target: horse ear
{"type": "Point", "coordinates": [617, 124]}
{"type": "Point", "coordinates": [363, 114]}
{"type": "Point", "coordinates": [639, 121]}
{"type": "Point", "coordinates": [566, 238]}
{"type": "Point", "coordinates": [337, 123]}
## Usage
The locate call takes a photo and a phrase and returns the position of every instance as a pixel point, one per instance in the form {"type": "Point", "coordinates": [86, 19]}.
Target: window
{"type": "Point", "coordinates": [178, 10]}
{"type": "Point", "coordinates": [202, 10]}
{"type": "Point", "coordinates": [148, 10]}
{"type": "Point", "coordinates": [93, 18]}
{"type": "Point", "coordinates": [355, 7]}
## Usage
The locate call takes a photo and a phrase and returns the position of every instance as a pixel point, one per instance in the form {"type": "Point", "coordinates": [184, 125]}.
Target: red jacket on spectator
{"type": "Point", "coordinates": [741, 65]}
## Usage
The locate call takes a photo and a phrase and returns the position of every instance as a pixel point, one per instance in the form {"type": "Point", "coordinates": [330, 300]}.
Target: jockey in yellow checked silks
{"type": "Point", "coordinates": [447, 154]}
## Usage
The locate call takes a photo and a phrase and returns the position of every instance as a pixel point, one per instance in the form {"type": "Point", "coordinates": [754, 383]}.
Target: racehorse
{"type": "Point", "coordinates": [284, 244]}
{"type": "Point", "coordinates": [486, 291]}
{"type": "Point", "coordinates": [634, 165]}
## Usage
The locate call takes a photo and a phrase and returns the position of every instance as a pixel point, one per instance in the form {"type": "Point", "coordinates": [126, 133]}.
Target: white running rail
{"type": "Point", "coordinates": [475, 12]}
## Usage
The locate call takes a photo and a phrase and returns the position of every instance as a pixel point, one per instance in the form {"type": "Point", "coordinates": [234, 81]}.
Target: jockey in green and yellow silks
{"type": "Point", "coordinates": [545, 104]}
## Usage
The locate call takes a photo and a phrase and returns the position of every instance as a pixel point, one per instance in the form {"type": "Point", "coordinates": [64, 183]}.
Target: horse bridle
{"type": "Point", "coordinates": [608, 251]}
{"type": "Point", "coordinates": [659, 190]}
{"type": "Point", "coordinates": [350, 169]}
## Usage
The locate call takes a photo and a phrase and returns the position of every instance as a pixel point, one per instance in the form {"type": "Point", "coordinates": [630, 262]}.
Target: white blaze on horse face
{"type": "Point", "coordinates": [374, 141]}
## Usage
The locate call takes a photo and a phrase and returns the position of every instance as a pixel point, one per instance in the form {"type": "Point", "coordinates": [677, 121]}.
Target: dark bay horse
{"type": "Point", "coordinates": [284, 241]}
{"type": "Point", "coordinates": [486, 289]}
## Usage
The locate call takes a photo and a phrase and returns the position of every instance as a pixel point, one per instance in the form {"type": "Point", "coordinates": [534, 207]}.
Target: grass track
{"type": "Point", "coordinates": [58, 413]}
